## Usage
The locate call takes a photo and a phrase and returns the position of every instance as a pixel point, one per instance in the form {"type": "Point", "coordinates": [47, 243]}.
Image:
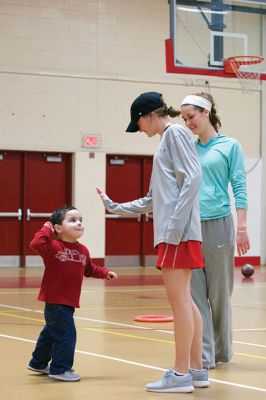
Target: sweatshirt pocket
{"type": "Point", "coordinates": [213, 200]}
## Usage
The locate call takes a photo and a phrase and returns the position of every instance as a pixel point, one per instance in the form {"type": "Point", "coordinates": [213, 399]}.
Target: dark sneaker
{"type": "Point", "coordinates": [67, 376]}
{"type": "Point", "coordinates": [199, 377]}
{"type": "Point", "coordinates": [172, 383]}
{"type": "Point", "coordinates": [44, 371]}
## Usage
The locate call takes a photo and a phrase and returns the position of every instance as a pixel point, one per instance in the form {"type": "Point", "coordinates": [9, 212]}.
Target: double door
{"type": "Point", "coordinates": [32, 185]}
{"type": "Point", "coordinates": [129, 238]}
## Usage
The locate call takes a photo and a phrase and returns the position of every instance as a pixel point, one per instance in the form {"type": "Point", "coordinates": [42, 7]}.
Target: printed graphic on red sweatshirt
{"type": "Point", "coordinates": [71, 255]}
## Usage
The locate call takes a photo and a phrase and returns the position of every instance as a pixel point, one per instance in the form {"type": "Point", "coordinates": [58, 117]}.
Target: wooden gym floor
{"type": "Point", "coordinates": [116, 356]}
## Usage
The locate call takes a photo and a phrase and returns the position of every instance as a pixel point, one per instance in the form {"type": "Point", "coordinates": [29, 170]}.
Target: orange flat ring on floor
{"type": "Point", "coordinates": [154, 318]}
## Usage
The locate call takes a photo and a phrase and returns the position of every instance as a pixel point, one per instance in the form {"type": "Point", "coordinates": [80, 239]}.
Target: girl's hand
{"type": "Point", "coordinates": [111, 275]}
{"type": "Point", "coordinates": [102, 195]}
{"type": "Point", "coordinates": [242, 242]}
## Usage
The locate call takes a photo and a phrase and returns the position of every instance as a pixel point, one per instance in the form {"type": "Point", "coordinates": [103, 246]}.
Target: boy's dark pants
{"type": "Point", "coordinates": [57, 340]}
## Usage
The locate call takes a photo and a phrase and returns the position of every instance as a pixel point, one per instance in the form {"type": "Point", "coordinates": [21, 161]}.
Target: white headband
{"type": "Point", "coordinates": [197, 101]}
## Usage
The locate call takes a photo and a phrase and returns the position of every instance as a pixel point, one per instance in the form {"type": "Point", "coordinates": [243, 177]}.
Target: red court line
{"type": "Point", "coordinates": [124, 280]}
{"type": "Point", "coordinates": [20, 282]}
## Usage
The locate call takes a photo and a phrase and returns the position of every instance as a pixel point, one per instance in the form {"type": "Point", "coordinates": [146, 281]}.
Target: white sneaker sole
{"type": "Point", "coordinates": [185, 389]}
{"type": "Point", "coordinates": [63, 378]}
{"type": "Point", "coordinates": [40, 371]}
{"type": "Point", "coordinates": [201, 384]}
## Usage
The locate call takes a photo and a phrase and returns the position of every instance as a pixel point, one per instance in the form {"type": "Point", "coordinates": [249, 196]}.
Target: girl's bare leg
{"type": "Point", "coordinates": [196, 346]}
{"type": "Point", "coordinates": [177, 284]}
{"type": "Point", "coordinates": [188, 337]}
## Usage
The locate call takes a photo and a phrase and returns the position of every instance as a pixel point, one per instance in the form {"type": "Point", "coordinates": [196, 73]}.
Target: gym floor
{"type": "Point", "coordinates": [117, 356]}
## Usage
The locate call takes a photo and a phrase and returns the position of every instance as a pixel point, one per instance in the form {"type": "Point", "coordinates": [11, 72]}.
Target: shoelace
{"type": "Point", "coordinates": [169, 373]}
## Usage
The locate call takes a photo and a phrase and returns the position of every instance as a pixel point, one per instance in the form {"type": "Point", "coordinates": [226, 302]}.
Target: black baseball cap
{"type": "Point", "coordinates": [143, 105]}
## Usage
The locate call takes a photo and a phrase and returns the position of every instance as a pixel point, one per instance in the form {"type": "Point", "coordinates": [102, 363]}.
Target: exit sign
{"type": "Point", "coordinates": [91, 141]}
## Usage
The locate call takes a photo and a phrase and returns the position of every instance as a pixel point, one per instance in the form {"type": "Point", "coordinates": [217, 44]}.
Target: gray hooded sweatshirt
{"type": "Point", "coordinates": [173, 192]}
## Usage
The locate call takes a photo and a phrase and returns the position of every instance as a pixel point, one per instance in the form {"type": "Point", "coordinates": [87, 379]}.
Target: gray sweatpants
{"type": "Point", "coordinates": [212, 287]}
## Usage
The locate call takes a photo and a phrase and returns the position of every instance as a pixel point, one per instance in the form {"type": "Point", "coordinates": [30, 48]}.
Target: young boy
{"type": "Point", "coordinates": [66, 262]}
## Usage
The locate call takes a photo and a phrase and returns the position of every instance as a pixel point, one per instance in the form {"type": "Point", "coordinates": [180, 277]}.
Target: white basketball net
{"type": "Point", "coordinates": [248, 74]}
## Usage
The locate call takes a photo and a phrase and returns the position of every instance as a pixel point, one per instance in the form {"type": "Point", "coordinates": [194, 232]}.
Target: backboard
{"type": "Point", "coordinates": [204, 33]}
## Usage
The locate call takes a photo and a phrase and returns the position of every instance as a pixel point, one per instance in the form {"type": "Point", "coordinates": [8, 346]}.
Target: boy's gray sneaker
{"type": "Point", "coordinates": [67, 376]}
{"type": "Point", "coordinates": [44, 371]}
{"type": "Point", "coordinates": [172, 383]}
{"type": "Point", "coordinates": [199, 377]}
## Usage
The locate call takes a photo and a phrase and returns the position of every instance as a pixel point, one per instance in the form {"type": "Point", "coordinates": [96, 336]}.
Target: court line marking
{"type": "Point", "coordinates": [94, 308]}
{"type": "Point", "coordinates": [248, 304]}
{"type": "Point", "coordinates": [122, 360]}
{"type": "Point", "coordinates": [5, 314]}
{"type": "Point", "coordinates": [19, 292]}
{"type": "Point", "coordinates": [249, 355]}
{"type": "Point", "coordinates": [169, 341]}
{"type": "Point", "coordinates": [84, 290]}
{"type": "Point", "coordinates": [144, 328]}
{"type": "Point", "coordinates": [130, 308]}
{"type": "Point", "coordinates": [240, 285]}
{"type": "Point", "coordinates": [263, 346]}
{"type": "Point", "coordinates": [121, 324]}
{"type": "Point", "coordinates": [20, 308]}
{"type": "Point", "coordinates": [128, 335]}
{"type": "Point", "coordinates": [250, 330]}
{"type": "Point", "coordinates": [155, 289]}
{"type": "Point", "coordinates": [89, 319]}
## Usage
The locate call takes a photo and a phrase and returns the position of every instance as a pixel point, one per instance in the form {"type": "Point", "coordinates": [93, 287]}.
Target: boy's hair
{"type": "Point", "coordinates": [58, 215]}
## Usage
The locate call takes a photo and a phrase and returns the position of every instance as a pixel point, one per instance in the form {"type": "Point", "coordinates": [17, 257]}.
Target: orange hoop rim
{"type": "Point", "coordinates": [153, 318]}
{"type": "Point", "coordinates": [240, 60]}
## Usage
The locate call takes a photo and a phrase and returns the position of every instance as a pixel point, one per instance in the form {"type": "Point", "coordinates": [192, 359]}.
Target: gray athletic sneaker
{"type": "Point", "coordinates": [199, 377]}
{"type": "Point", "coordinates": [172, 383]}
{"type": "Point", "coordinates": [68, 376]}
{"type": "Point", "coordinates": [44, 371]}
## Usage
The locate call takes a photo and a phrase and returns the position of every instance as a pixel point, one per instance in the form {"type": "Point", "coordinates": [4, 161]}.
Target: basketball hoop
{"type": "Point", "coordinates": [246, 70]}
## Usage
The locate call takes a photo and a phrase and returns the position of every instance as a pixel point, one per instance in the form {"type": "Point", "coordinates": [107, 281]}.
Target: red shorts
{"type": "Point", "coordinates": [185, 255]}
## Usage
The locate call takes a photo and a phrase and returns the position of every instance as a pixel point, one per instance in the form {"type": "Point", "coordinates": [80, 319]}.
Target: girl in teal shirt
{"type": "Point", "coordinates": [222, 164]}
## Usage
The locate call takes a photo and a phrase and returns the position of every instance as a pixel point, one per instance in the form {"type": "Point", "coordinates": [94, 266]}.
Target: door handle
{"type": "Point", "coordinates": [12, 214]}
{"type": "Point", "coordinates": [116, 216]}
{"type": "Point", "coordinates": [37, 215]}
{"type": "Point", "coordinates": [148, 216]}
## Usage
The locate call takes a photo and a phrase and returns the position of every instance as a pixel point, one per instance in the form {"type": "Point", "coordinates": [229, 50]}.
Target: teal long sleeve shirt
{"type": "Point", "coordinates": [222, 163]}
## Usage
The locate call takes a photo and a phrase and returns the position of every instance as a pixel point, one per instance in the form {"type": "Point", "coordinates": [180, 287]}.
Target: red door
{"type": "Point", "coordinates": [11, 167]}
{"type": "Point", "coordinates": [47, 185]}
{"type": "Point", "coordinates": [149, 252]}
{"type": "Point", "coordinates": [36, 184]}
{"type": "Point", "coordinates": [129, 238]}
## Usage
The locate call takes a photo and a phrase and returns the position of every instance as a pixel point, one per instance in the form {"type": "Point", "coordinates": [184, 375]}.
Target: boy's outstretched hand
{"type": "Point", "coordinates": [111, 275]}
{"type": "Point", "coordinates": [102, 195]}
